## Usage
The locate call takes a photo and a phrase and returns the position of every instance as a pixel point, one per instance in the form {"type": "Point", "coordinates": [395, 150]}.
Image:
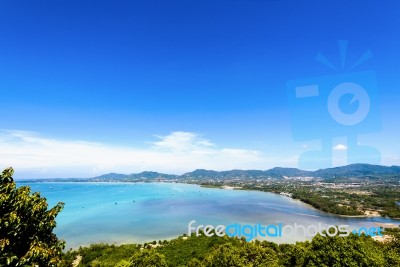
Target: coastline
{"type": "Point", "coordinates": [367, 214]}
{"type": "Point", "coordinates": [371, 215]}
{"type": "Point", "coordinates": [354, 216]}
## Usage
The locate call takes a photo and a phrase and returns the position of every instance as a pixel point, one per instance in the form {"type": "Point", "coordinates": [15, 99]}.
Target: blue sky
{"type": "Point", "coordinates": [198, 77]}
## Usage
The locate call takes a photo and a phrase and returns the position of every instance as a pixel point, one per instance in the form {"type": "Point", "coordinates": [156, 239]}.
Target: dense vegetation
{"type": "Point", "coordinates": [346, 200]}
{"type": "Point", "coordinates": [26, 226]}
{"type": "Point", "coordinates": [328, 203]}
{"type": "Point", "coordinates": [205, 251]}
{"type": "Point", "coordinates": [337, 198]}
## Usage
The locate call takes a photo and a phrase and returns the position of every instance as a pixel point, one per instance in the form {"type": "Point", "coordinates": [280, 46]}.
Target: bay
{"type": "Point", "coordinates": [142, 212]}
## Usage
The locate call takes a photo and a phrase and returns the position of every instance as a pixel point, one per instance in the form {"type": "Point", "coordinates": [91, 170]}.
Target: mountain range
{"type": "Point", "coordinates": [353, 171]}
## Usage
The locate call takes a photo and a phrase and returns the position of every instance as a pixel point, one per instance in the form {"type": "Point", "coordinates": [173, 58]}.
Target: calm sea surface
{"type": "Point", "coordinates": [142, 212]}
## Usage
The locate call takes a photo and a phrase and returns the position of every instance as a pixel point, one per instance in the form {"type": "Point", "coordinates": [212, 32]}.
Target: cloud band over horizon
{"type": "Point", "coordinates": [35, 156]}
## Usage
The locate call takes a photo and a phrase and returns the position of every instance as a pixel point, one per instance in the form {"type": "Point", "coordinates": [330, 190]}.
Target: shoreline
{"type": "Point", "coordinates": [225, 187]}
{"type": "Point", "coordinates": [299, 200]}
{"type": "Point", "coordinates": [355, 216]}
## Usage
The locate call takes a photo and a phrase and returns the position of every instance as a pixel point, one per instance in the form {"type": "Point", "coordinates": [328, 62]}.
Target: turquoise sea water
{"type": "Point", "coordinates": [142, 212]}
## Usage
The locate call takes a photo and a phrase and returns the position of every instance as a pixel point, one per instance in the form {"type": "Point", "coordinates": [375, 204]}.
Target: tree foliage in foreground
{"type": "Point", "coordinates": [336, 251]}
{"type": "Point", "coordinates": [203, 251]}
{"type": "Point", "coordinates": [148, 258]}
{"type": "Point", "coordinates": [246, 255]}
{"type": "Point", "coordinates": [26, 226]}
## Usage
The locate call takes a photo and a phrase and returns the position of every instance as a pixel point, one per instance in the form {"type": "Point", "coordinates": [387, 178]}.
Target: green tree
{"type": "Point", "coordinates": [123, 263]}
{"type": "Point", "coordinates": [352, 250]}
{"type": "Point", "coordinates": [392, 249]}
{"type": "Point", "coordinates": [244, 255]}
{"type": "Point", "coordinates": [148, 258]}
{"type": "Point", "coordinates": [293, 255]}
{"type": "Point", "coordinates": [195, 263]}
{"type": "Point", "coordinates": [26, 226]}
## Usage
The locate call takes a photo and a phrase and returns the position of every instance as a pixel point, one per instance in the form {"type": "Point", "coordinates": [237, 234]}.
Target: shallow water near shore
{"type": "Point", "coordinates": [142, 212]}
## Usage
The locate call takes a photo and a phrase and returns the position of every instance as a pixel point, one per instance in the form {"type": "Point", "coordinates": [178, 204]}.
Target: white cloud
{"type": "Point", "coordinates": [34, 155]}
{"type": "Point", "coordinates": [183, 141]}
{"type": "Point", "coordinates": [340, 147]}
